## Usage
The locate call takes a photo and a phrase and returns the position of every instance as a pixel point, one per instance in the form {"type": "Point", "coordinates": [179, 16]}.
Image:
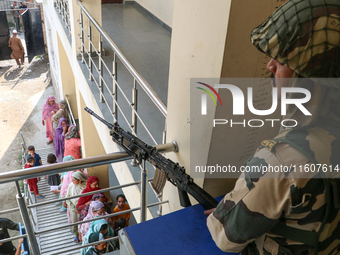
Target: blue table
{"type": "Point", "coordinates": [182, 232]}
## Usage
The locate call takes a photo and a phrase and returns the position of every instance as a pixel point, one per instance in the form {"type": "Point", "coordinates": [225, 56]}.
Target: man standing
{"type": "Point", "coordinates": [16, 16]}
{"type": "Point", "coordinates": [17, 48]}
{"type": "Point", "coordinates": [7, 248]}
{"type": "Point", "coordinates": [22, 7]}
{"type": "Point", "coordinates": [295, 212]}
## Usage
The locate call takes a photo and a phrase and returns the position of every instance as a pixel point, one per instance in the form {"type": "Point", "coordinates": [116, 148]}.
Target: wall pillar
{"type": "Point", "coordinates": [91, 143]}
{"type": "Point", "coordinates": [209, 41]}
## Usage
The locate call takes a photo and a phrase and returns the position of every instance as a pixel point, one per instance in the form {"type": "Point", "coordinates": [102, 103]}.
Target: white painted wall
{"type": "Point", "coordinates": [162, 9]}
{"type": "Point", "coordinates": [53, 53]}
{"type": "Point", "coordinates": [197, 45]}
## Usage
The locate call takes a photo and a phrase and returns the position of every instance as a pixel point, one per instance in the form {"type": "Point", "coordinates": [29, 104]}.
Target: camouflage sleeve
{"type": "Point", "coordinates": [252, 208]}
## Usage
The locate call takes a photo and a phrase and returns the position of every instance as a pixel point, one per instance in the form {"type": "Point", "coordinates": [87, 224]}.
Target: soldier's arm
{"type": "Point", "coordinates": [11, 225]}
{"type": "Point", "coordinates": [252, 208]}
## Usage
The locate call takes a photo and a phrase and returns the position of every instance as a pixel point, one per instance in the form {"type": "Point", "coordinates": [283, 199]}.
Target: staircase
{"type": "Point", "coordinates": [48, 216]}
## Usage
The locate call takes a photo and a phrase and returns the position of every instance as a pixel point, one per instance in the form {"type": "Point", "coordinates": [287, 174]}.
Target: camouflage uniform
{"type": "Point", "coordinates": [305, 36]}
{"type": "Point", "coordinates": [244, 218]}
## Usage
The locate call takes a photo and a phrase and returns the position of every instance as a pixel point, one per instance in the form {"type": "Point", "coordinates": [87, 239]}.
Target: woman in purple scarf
{"type": "Point", "coordinates": [59, 139]}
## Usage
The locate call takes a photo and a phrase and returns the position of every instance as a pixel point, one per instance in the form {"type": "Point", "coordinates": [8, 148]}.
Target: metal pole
{"type": "Point", "coordinates": [82, 36]}
{"type": "Point", "coordinates": [90, 51]}
{"type": "Point", "coordinates": [143, 193]}
{"type": "Point", "coordinates": [134, 116]}
{"type": "Point", "coordinates": [101, 69]}
{"type": "Point", "coordinates": [29, 228]}
{"type": "Point", "coordinates": [114, 89]}
{"type": "Point", "coordinates": [160, 207]}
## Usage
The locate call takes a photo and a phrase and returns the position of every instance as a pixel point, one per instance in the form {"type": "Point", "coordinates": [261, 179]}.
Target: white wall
{"type": "Point", "coordinates": [162, 9]}
{"type": "Point", "coordinates": [53, 53]}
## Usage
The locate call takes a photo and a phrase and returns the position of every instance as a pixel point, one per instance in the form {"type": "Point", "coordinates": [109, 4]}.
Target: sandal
{"type": "Point", "coordinates": [49, 142]}
{"type": "Point", "coordinates": [76, 239]}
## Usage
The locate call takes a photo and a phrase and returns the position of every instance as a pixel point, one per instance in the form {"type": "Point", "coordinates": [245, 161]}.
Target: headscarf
{"type": "Point", "coordinates": [48, 109]}
{"type": "Point", "coordinates": [79, 176]}
{"type": "Point", "coordinates": [95, 228]}
{"type": "Point", "coordinates": [88, 198]}
{"type": "Point", "coordinates": [62, 113]}
{"type": "Point", "coordinates": [84, 212]}
{"type": "Point", "coordinates": [95, 205]}
{"type": "Point", "coordinates": [74, 190]}
{"type": "Point", "coordinates": [73, 132]}
{"type": "Point", "coordinates": [59, 141]}
{"type": "Point", "coordinates": [303, 36]}
{"type": "Point", "coordinates": [95, 237]}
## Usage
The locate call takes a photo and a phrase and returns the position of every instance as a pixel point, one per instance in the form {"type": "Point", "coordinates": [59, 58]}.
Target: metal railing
{"type": "Point", "coordinates": [108, 90]}
{"type": "Point", "coordinates": [91, 51]}
{"type": "Point", "coordinates": [16, 176]}
{"type": "Point", "coordinates": [24, 151]}
{"type": "Point", "coordinates": [64, 11]}
{"type": "Point", "coordinates": [70, 113]}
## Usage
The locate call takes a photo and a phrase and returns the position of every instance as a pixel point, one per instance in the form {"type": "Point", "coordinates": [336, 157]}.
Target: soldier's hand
{"type": "Point", "coordinates": [208, 212]}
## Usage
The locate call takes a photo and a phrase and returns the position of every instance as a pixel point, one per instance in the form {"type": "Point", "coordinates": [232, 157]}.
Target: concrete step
{"type": "Point", "coordinates": [60, 249]}
{"type": "Point", "coordinates": [55, 216]}
{"type": "Point", "coordinates": [57, 242]}
{"type": "Point", "coordinates": [48, 216]}
{"type": "Point", "coordinates": [64, 233]}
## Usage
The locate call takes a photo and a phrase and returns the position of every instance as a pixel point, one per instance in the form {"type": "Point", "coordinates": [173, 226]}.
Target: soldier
{"type": "Point", "coordinates": [7, 248]}
{"type": "Point", "coordinates": [294, 212]}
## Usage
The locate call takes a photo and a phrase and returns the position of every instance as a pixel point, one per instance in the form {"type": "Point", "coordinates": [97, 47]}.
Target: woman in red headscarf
{"type": "Point", "coordinates": [92, 185]}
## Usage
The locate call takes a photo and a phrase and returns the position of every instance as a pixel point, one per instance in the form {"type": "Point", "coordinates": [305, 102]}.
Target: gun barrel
{"type": "Point", "coordinates": [98, 117]}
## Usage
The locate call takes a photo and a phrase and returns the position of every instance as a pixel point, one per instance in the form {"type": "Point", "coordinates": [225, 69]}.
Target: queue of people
{"type": "Point", "coordinates": [67, 143]}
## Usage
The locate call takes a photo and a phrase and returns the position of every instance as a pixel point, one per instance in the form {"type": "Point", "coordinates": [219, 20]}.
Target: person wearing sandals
{"type": "Point", "coordinates": [75, 188]}
{"type": "Point", "coordinates": [49, 108]}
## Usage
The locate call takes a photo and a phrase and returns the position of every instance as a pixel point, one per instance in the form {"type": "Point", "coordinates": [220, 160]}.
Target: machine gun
{"type": "Point", "coordinates": [174, 173]}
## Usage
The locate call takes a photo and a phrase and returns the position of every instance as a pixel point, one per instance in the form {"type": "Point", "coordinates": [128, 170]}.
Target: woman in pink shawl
{"type": "Point", "coordinates": [96, 209]}
{"type": "Point", "coordinates": [50, 108]}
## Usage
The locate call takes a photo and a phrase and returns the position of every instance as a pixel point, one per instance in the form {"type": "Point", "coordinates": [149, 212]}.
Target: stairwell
{"type": "Point", "coordinates": [48, 216]}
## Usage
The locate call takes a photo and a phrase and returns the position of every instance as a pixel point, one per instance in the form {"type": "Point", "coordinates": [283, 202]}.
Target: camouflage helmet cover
{"type": "Point", "coordinates": [303, 35]}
